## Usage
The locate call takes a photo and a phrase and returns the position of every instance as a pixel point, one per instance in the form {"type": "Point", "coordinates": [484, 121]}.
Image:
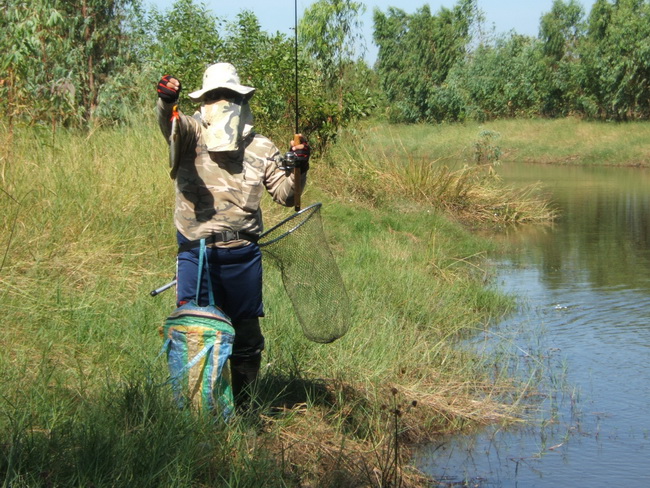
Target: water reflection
{"type": "Point", "coordinates": [585, 310]}
{"type": "Point", "coordinates": [603, 232]}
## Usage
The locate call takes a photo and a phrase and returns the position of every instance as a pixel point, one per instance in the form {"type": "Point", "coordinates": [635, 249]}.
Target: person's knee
{"type": "Point", "coordinates": [249, 341]}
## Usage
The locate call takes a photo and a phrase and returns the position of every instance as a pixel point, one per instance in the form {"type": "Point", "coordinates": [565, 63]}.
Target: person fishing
{"type": "Point", "coordinates": [221, 169]}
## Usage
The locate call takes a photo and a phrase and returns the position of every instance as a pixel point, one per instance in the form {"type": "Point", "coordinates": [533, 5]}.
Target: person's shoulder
{"type": "Point", "coordinates": [195, 119]}
{"type": "Point", "coordinates": [262, 145]}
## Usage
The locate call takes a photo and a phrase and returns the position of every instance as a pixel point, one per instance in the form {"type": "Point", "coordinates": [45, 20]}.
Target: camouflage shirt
{"type": "Point", "coordinates": [218, 192]}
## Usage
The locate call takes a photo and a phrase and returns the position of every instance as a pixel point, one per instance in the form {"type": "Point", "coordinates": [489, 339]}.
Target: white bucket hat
{"type": "Point", "coordinates": [220, 75]}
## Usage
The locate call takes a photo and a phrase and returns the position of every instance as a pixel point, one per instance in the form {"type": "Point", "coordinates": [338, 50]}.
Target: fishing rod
{"type": "Point", "coordinates": [290, 159]}
{"type": "Point", "coordinates": [297, 173]}
{"type": "Point", "coordinates": [295, 52]}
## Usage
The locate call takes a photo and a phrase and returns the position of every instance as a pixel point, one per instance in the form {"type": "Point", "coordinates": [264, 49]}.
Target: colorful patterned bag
{"type": "Point", "coordinates": [198, 343]}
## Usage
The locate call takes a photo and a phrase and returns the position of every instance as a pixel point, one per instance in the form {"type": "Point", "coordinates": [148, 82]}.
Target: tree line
{"type": "Point", "coordinates": [82, 63]}
{"type": "Point", "coordinates": [440, 67]}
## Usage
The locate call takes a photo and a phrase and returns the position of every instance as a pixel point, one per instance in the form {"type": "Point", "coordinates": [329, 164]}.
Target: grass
{"type": "Point", "coordinates": [88, 232]}
{"type": "Point", "coordinates": [552, 141]}
{"type": "Point", "coordinates": [439, 168]}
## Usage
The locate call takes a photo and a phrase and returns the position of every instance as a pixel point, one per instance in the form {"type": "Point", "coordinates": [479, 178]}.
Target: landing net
{"type": "Point", "coordinates": [310, 276]}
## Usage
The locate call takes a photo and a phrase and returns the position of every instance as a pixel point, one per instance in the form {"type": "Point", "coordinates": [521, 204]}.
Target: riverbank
{"type": "Point", "coordinates": [87, 233]}
{"type": "Point", "coordinates": [545, 141]}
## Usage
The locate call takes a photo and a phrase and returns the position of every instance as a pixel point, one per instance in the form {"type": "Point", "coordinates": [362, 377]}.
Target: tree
{"type": "Point", "coordinates": [416, 53]}
{"type": "Point", "coordinates": [184, 40]}
{"type": "Point", "coordinates": [58, 55]}
{"type": "Point", "coordinates": [561, 31]}
{"type": "Point", "coordinates": [616, 60]}
{"type": "Point", "coordinates": [329, 32]}
{"type": "Point", "coordinates": [266, 62]}
{"type": "Point", "coordinates": [496, 80]}
{"type": "Point", "coordinates": [337, 85]}
{"type": "Point", "coordinates": [35, 85]}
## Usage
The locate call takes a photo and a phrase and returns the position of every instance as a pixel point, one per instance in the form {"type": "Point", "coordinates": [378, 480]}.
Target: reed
{"type": "Point", "coordinates": [389, 166]}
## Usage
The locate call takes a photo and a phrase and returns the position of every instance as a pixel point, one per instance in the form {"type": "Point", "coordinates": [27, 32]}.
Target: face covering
{"type": "Point", "coordinates": [226, 123]}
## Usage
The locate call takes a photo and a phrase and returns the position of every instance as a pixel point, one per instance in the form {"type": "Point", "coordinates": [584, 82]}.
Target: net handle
{"type": "Point", "coordinates": [312, 209]}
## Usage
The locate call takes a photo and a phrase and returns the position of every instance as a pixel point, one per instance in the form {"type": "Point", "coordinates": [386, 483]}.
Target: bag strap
{"type": "Point", "coordinates": [164, 347]}
{"type": "Point", "coordinates": [202, 257]}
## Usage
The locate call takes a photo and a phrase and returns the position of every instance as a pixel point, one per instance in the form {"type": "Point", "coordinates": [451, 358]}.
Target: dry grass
{"type": "Point", "coordinates": [315, 444]}
{"type": "Point", "coordinates": [397, 173]}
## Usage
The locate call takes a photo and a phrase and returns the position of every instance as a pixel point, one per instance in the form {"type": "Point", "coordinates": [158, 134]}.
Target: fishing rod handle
{"type": "Point", "coordinates": [297, 177]}
{"type": "Point", "coordinates": [158, 291]}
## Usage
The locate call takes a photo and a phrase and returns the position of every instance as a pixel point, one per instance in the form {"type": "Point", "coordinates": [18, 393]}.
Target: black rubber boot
{"type": "Point", "coordinates": [244, 372]}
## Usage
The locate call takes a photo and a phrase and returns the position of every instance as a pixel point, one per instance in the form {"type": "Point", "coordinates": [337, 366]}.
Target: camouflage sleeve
{"type": "Point", "coordinates": [278, 182]}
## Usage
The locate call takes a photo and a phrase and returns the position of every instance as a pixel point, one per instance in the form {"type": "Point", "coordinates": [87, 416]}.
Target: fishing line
{"type": "Point", "coordinates": [296, 139]}
{"type": "Point", "coordinates": [295, 32]}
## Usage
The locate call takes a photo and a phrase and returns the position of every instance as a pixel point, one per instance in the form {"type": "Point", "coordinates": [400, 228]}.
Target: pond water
{"type": "Point", "coordinates": [584, 291]}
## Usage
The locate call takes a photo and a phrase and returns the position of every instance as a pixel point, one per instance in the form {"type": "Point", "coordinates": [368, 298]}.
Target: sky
{"type": "Point", "coordinates": [522, 16]}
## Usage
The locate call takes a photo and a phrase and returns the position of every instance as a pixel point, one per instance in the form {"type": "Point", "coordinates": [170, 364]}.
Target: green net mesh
{"type": "Point", "coordinates": [310, 276]}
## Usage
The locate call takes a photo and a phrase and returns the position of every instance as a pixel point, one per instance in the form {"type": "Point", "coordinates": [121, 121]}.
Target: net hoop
{"type": "Point", "coordinates": [305, 214]}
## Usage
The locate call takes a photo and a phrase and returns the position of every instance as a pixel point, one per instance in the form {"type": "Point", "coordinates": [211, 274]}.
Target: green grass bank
{"type": "Point", "coordinates": [545, 141]}
{"type": "Point", "coordinates": [87, 233]}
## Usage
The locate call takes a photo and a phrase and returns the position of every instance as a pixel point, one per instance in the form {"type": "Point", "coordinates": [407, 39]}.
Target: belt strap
{"type": "Point", "coordinates": [217, 237]}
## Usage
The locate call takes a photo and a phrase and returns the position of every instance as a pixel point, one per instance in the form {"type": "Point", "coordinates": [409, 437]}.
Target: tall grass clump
{"type": "Point", "coordinates": [454, 174]}
{"type": "Point", "coordinates": [126, 434]}
{"type": "Point", "coordinates": [88, 232]}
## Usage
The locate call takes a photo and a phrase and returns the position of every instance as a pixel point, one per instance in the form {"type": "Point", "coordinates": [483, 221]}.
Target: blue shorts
{"type": "Point", "coordinates": [236, 275]}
